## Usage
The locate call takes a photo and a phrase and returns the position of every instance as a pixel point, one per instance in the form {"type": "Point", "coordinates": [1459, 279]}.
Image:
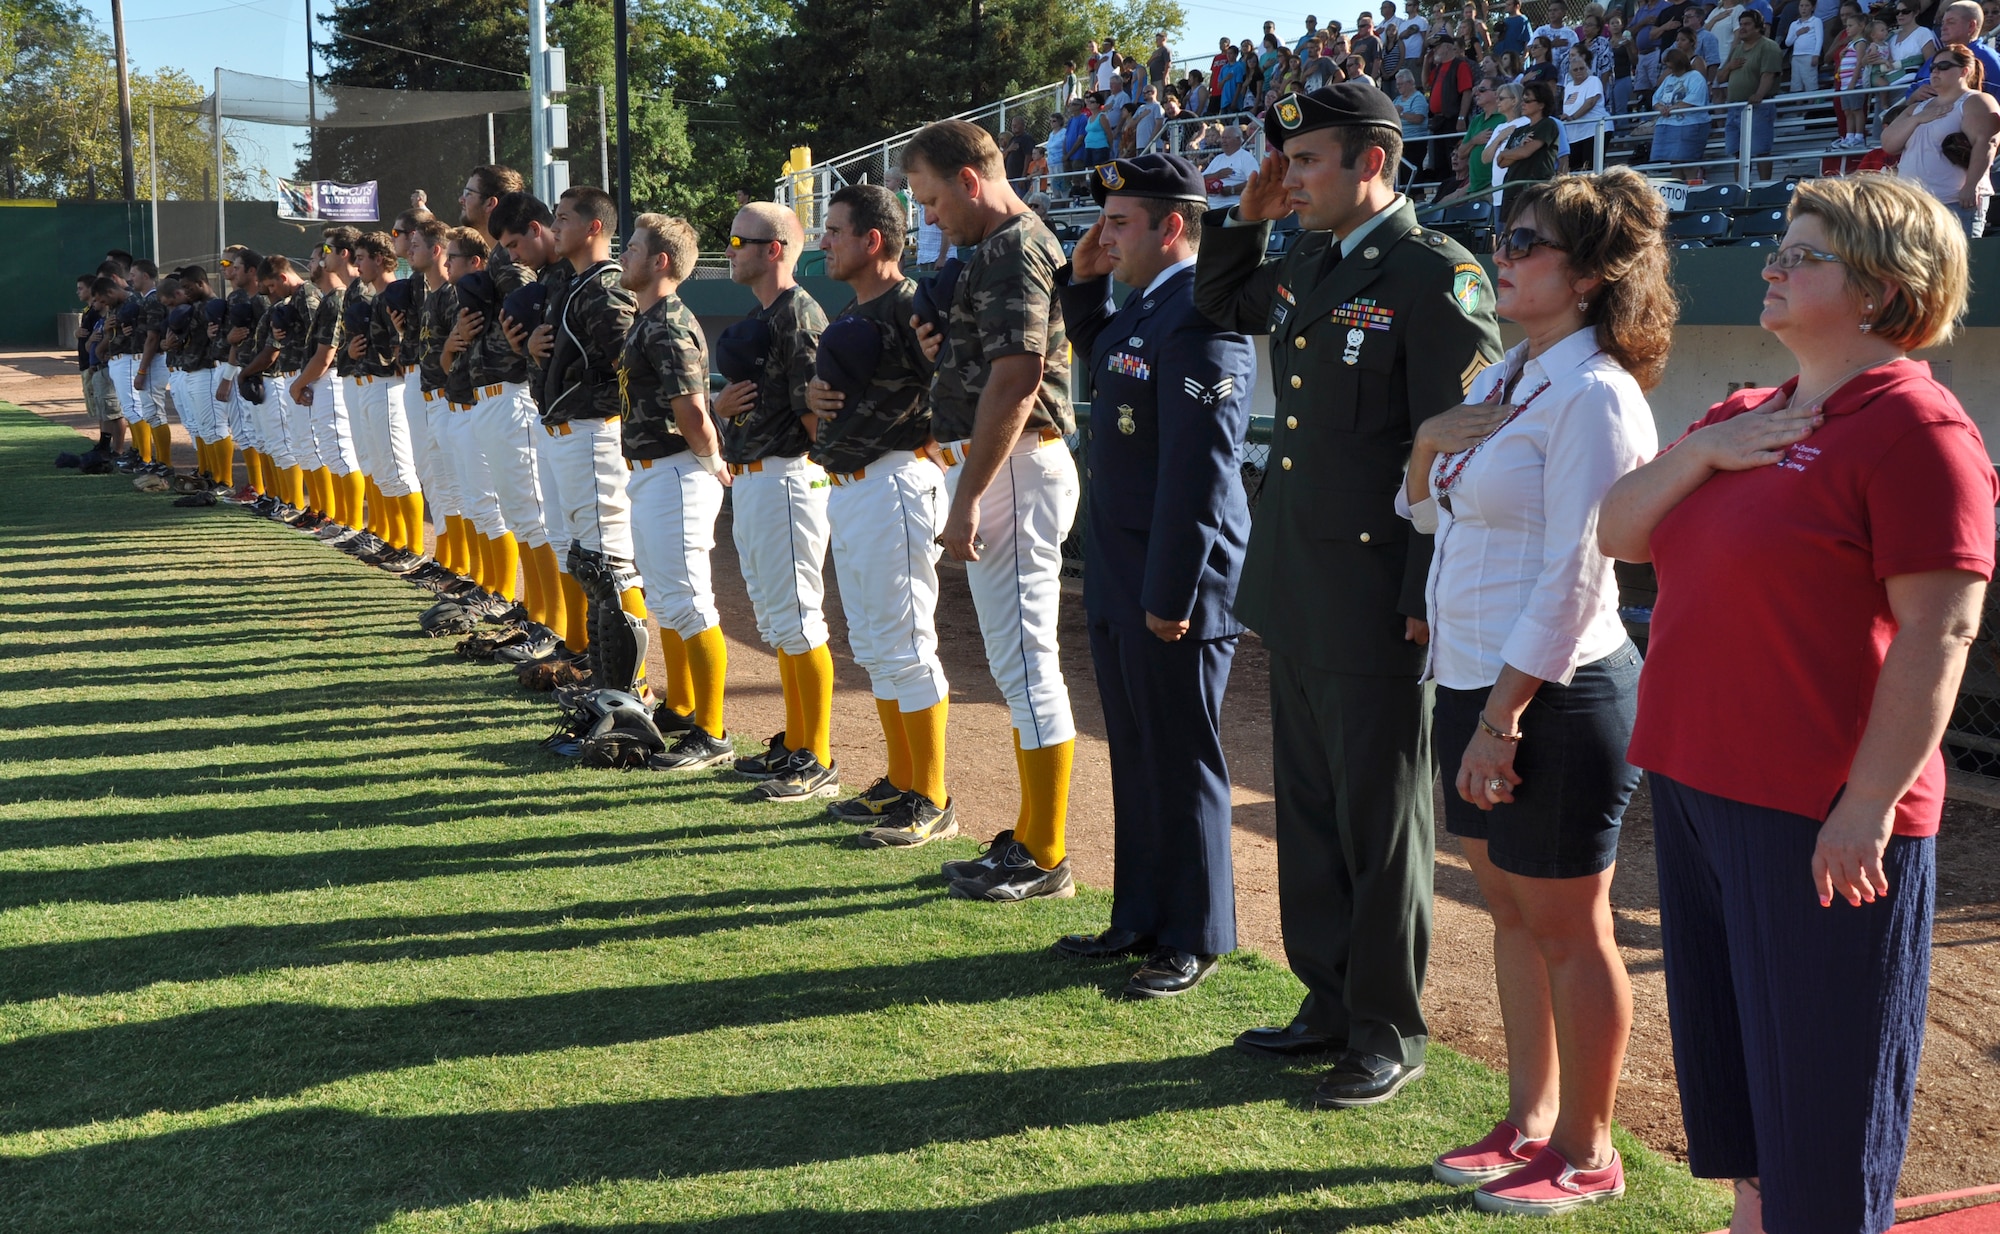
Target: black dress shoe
{"type": "Point", "coordinates": [1363, 1079]}
{"type": "Point", "coordinates": [1294, 1040]}
{"type": "Point", "coordinates": [1168, 972]}
{"type": "Point", "coordinates": [1110, 945]}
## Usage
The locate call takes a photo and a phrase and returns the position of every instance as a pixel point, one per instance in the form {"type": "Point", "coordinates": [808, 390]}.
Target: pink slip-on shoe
{"type": "Point", "coordinates": [1548, 1185]}
{"type": "Point", "coordinates": [1503, 1151]}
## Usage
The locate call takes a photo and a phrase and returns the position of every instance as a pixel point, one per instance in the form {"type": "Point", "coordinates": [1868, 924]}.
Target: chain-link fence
{"type": "Point", "coordinates": [1972, 739]}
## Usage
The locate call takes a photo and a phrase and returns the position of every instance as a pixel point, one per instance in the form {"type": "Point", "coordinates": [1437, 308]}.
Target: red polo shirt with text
{"type": "Point", "coordinates": [1773, 619]}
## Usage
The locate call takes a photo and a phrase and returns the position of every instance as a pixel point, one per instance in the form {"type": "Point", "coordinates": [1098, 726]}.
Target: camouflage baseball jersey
{"type": "Point", "coordinates": [152, 320]}
{"type": "Point", "coordinates": [241, 353]}
{"type": "Point", "coordinates": [592, 318]}
{"type": "Point", "coordinates": [440, 316]}
{"type": "Point", "coordinates": [117, 334]}
{"type": "Point", "coordinates": [665, 357]}
{"type": "Point", "coordinates": [772, 427]}
{"type": "Point", "coordinates": [343, 364]}
{"type": "Point", "coordinates": [306, 304]}
{"type": "Point", "coordinates": [491, 358]}
{"type": "Point", "coordinates": [895, 413]}
{"type": "Point", "coordinates": [1004, 305]}
{"type": "Point", "coordinates": [327, 328]}
{"type": "Point", "coordinates": [193, 351]}
{"type": "Point", "coordinates": [413, 321]}
{"type": "Point", "coordinates": [383, 356]}
{"type": "Point", "coordinates": [555, 280]}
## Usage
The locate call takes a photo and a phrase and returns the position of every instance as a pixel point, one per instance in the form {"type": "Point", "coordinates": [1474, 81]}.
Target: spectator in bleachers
{"type": "Point", "coordinates": [1148, 120]}
{"type": "Point", "coordinates": [1596, 46]}
{"type": "Point", "coordinates": [1253, 77]}
{"type": "Point", "coordinates": [1541, 64]}
{"type": "Point", "coordinates": [1680, 135]}
{"type": "Point", "coordinates": [1848, 53]}
{"type": "Point", "coordinates": [1100, 134]}
{"type": "Point", "coordinates": [1415, 111]}
{"type": "Point", "coordinates": [1219, 62]}
{"type": "Point", "coordinates": [1369, 48]}
{"type": "Point", "coordinates": [1514, 31]}
{"type": "Point", "coordinates": [1654, 25]}
{"type": "Point", "coordinates": [1583, 109]}
{"type": "Point", "coordinates": [1230, 81]}
{"type": "Point", "coordinates": [1556, 29]}
{"type": "Point", "coordinates": [1067, 156]}
{"type": "Point", "coordinates": [1069, 83]}
{"type": "Point", "coordinates": [1312, 30]}
{"type": "Point", "coordinates": [1688, 42]}
{"type": "Point", "coordinates": [1227, 172]}
{"type": "Point", "coordinates": [1160, 63]}
{"type": "Point", "coordinates": [1014, 148]}
{"type": "Point", "coordinates": [1752, 73]}
{"type": "Point", "coordinates": [1909, 46]}
{"type": "Point", "coordinates": [1037, 171]}
{"type": "Point", "coordinates": [1452, 80]}
{"type": "Point", "coordinates": [1507, 98]}
{"type": "Point", "coordinates": [1946, 141]}
{"type": "Point", "coordinates": [1708, 46]}
{"type": "Point", "coordinates": [1478, 171]}
{"type": "Point", "coordinates": [1804, 40]}
{"type": "Point", "coordinates": [1107, 66]}
{"type": "Point", "coordinates": [1623, 59]}
{"type": "Point", "coordinates": [1530, 151]}
{"type": "Point", "coordinates": [1961, 22]}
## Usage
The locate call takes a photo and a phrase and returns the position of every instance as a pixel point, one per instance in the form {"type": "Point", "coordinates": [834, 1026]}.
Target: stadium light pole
{"type": "Point", "coordinates": [624, 191]}
{"type": "Point", "coordinates": [129, 176]}
{"type": "Point", "coordinates": [538, 97]}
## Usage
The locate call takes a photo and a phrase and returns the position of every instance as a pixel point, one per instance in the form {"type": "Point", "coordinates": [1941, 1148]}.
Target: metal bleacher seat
{"type": "Point", "coordinates": [1745, 224]}
{"type": "Point", "coordinates": [1714, 197]}
{"type": "Point", "coordinates": [1777, 194]}
{"type": "Point", "coordinates": [1708, 225]}
{"type": "Point", "coordinates": [1690, 244]}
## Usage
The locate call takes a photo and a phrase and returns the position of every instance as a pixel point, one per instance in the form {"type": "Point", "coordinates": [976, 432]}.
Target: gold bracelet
{"type": "Point", "coordinates": [1495, 732]}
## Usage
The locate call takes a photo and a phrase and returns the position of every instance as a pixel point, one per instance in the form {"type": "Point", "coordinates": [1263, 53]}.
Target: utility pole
{"type": "Point", "coordinates": [221, 215]}
{"type": "Point", "coordinates": [603, 145]}
{"type": "Point", "coordinates": [128, 174]}
{"type": "Point", "coordinates": [624, 189]}
{"type": "Point", "coordinates": [153, 164]}
{"type": "Point", "coordinates": [548, 74]}
{"type": "Point", "coordinates": [312, 108]}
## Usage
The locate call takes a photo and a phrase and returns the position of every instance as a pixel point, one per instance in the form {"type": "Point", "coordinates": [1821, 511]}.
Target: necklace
{"type": "Point", "coordinates": [1816, 403]}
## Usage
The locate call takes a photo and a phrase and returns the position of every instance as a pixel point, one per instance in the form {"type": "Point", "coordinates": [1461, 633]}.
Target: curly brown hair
{"type": "Point", "coordinates": [1612, 226]}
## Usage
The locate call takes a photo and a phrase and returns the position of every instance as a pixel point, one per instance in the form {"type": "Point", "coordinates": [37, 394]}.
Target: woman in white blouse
{"type": "Point", "coordinates": [1536, 680]}
{"type": "Point", "coordinates": [1584, 111]}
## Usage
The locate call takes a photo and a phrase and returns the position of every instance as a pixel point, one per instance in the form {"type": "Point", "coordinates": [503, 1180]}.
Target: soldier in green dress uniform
{"type": "Point", "coordinates": [1376, 324]}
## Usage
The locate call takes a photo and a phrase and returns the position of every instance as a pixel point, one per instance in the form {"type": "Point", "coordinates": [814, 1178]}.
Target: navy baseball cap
{"type": "Point", "coordinates": [356, 315]}
{"type": "Point", "coordinates": [399, 295]}
{"type": "Point", "coordinates": [1336, 106]}
{"type": "Point", "coordinates": [128, 312]}
{"type": "Point", "coordinates": [476, 293]}
{"type": "Point", "coordinates": [242, 313]}
{"type": "Point", "coordinates": [177, 319]}
{"type": "Point", "coordinates": [525, 303]}
{"type": "Point", "coordinates": [850, 350]}
{"type": "Point", "coordinates": [281, 317]}
{"type": "Point", "coordinates": [215, 310]}
{"type": "Point", "coordinates": [933, 299]}
{"type": "Point", "coordinates": [1168, 177]}
{"type": "Point", "coordinates": [740, 350]}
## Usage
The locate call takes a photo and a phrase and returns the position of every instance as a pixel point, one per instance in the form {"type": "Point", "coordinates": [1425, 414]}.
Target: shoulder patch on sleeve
{"type": "Point", "coordinates": [1468, 287]}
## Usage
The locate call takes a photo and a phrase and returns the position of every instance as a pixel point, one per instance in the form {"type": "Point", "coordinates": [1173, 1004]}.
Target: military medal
{"type": "Point", "coordinates": [1354, 337]}
{"type": "Point", "coordinates": [1126, 424]}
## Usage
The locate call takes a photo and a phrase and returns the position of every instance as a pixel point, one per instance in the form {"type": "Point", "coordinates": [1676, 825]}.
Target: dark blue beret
{"type": "Point", "coordinates": [525, 303]}
{"type": "Point", "coordinates": [476, 293]}
{"type": "Point", "coordinates": [177, 319]}
{"type": "Point", "coordinates": [1341, 104]}
{"type": "Point", "coordinates": [1166, 176]}
{"type": "Point", "coordinates": [850, 350]}
{"type": "Point", "coordinates": [356, 314]}
{"type": "Point", "coordinates": [215, 309]}
{"type": "Point", "coordinates": [400, 295]}
{"type": "Point", "coordinates": [740, 350]}
{"type": "Point", "coordinates": [933, 300]}
{"type": "Point", "coordinates": [242, 313]}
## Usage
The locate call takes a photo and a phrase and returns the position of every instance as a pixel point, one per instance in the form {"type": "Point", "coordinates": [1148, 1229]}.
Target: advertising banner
{"type": "Point", "coordinates": [327, 201]}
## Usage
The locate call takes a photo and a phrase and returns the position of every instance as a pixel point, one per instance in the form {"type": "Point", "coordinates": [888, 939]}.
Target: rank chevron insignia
{"type": "Point", "coordinates": [1208, 395]}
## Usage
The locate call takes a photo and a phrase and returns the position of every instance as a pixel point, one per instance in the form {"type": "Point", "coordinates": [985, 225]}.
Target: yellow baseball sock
{"type": "Point", "coordinates": [506, 566]}
{"type": "Point", "coordinates": [679, 685]}
{"type": "Point", "coordinates": [788, 682]}
{"type": "Point", "coordinates": [412, 507]}
{"type": "Point", "coordinates": [814, 673]}
{"type": "Point", "coordinates": [893, 732]}
{"type": "Point", "coordinates": [201, 467]}
{"type": "Point", "coordinates": [1020, 777]}
{"type": "Point", "coordinates": [924, 732]}
{"type": "Point", "coordinates": [163, 446]}
{"type": "Point", "coordinates": [354, 490]}
{"type": "Point", "coordinates": [708, 665]}
{"type": "Point", "coordinates": [377, 516]}
{"type": "Point", "coordinates": [295, 486]}
{"type": "Point", "coordinates": [142, 440]}
{"type": "Point", "coordinates": [482, 550]}
{"type": "Point", "coordinates": [576, 614]}
{"type": "Point", "coordinates": [1045, 792]}
{"type": "Point", "coordinates": [458, 556]}
{"type": "Point", "coordinates": [532, 585]}
{"type": "Point", "coordinates": [225, 461]}
{"type": "Point", "coordinates": [319, 487]}
{"type": "Point", "coordinates": [633, 601]}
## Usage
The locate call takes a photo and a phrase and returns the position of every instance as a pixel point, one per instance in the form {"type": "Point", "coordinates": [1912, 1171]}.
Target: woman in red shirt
{"type": "Point", "coordinates": [1823, 551]}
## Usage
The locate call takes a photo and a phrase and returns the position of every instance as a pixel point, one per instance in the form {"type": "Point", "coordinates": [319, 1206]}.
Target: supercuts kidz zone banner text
{"type": "Point", "coordinates": [327, 201]}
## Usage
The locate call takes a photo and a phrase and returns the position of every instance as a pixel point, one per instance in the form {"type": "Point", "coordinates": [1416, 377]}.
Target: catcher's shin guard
{"type": "Point", "coordinates": [618, 640]}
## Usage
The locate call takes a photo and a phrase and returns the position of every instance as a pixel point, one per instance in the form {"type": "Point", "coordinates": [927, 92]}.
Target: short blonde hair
{"type": "Point", "coordinates": [1890, 233]}
{"type": "Point", "coordinates": [669, 237]}
{"type": "Point", "coordinates": [783, 224]}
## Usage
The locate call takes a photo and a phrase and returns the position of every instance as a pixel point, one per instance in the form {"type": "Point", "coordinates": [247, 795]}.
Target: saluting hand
{"type": "Point", "coordinates": [927, 338]}
{"type": "Point", "coordinates": [1754, 439]}
{"type": "Point", "coordinates": [1089, 260]}
{"type": "Point", "coordinates": [1265, 196]}
{"type": "Point", "coordinates": [825, 401]}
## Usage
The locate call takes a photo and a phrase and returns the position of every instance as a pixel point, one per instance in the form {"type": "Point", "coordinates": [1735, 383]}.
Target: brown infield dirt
{"type": "Point", "coordinates": [1955, 1131]}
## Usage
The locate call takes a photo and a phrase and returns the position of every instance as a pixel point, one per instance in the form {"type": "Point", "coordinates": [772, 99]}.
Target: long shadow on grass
{"type": "Point", "coordinates": [272, 1050]}
{"type": "Point", "coordinates": [343, 1171]}
{"type": "Point", "coordinates": [109, 965]}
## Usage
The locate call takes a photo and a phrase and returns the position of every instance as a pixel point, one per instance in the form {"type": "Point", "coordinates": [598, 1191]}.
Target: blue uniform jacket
{"type": "Point", "coordinates": [1166, 521]}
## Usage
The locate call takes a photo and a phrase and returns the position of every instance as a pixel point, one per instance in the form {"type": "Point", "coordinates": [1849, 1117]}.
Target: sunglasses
{"type": "Point", "coordinates": [1792, 256]}
{"type": "Point", "coordinates": [227, 264]}
{"type": "Point", "coordinates": [1946, 64]}
{"type": "Point", "coordinates": [1516, 245]}
{"type": "Point", "coordinates": [737, 242]}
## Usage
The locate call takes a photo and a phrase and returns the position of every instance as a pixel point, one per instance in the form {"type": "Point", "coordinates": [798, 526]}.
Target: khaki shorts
{"type": "Point", "coordinates": [100, 399]}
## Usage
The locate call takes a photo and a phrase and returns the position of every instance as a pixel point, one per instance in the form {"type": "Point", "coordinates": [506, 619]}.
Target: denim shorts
{"type": "Point", "coordinates": [1575, 782]}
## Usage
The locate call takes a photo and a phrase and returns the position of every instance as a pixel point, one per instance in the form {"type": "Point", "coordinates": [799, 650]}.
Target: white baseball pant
{"type": "Point", "coordinates": [299, 433]}
{"type": "Point", "coordinates": [399, 476]}
{"type": "Point", "coordinates": [429, 407]}
{"type": "Point", "coordinates": [885, 521]}
{"type": "Point", "coordinates": [555, 517]}
{"type": "Point", "coordinates": [120, 371]}
{"type": "Point", "coordinates": [150, 404]}
{"type": "Point", "coordinates": [1017, 581]}
{"type": "Point", "coordinates": [590, 482]}
{"type": "Point", "coordinates": [244, 424]}
{"type": "Point", "coordinates": [475, 483]}
{"type": "Point", "coordinates": [333, 427]}
{"type": "Point", "coordinates": [196, 401]}
{"type": "Point", "coordinates": [274, 421]}
{"type": "Point", "coordinates": [674, 504]}
{"type": "Point", "coordinates": [357, 396]}
{"type": "Point", "coordinates": [781, 535]}
{"type": "Point", "coordinates": [504, 425]}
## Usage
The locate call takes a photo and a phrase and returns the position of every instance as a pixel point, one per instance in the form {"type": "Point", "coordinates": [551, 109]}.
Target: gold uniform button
{"type": "Point", "coordinates": [1291, 421]}
{"type": "Point", "coordinates": [1364, 537]}
{"type": "Point", "coordinates": [1297, 381]}
{"type": "Point", "coordinates": [1285, 463]}
{"type": "Point", "coordinates": [1300, 342]}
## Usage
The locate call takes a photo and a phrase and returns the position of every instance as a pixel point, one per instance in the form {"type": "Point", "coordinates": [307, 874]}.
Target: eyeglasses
{"type": "Point", "coordinates": [1792, 255]}
{"type": "Point", "coordinates": [737, 242]}
{"type": "Point", "coordinates": [1941, 63]}
{"type": "Point", "coordinates": [1516, 245]}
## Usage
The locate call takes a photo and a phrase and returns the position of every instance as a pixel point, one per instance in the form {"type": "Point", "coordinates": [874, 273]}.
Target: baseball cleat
{"type": "Point", "coordinates": [306, 521]}
{"type": "Point", "coordinates": [913, 823]}
{"type": "Point", "coordinates": [672, 723]}
{"type": "Point", "coordinates": [402, 561]}
{"type": "Point", "coordinates": [539, 643]}
{"type": "Point", "coordinates": [1016, 877]}
{"type": "Point", "coordinates": [696, 751]}
{"type": "Point", "coordinates": [870, 804]}
{"type": "Point", "coordinates": [982, 865]}
{"type": "Point", "coordinates": [763, 766]}
{"type": "Point", "coordinates": [801, 779]}
{"type": "Point", "coordinates": [335, 534]}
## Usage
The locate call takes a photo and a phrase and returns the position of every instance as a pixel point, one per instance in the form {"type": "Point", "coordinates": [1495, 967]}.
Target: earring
{"type": "Point", "coordinates": [1867, 325]}
{"type": "Point", "coordinates": [1583, 306]}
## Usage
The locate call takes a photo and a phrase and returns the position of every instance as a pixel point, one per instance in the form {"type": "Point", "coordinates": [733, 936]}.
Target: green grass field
{"type": "Point", "coordinates": [300, 932]}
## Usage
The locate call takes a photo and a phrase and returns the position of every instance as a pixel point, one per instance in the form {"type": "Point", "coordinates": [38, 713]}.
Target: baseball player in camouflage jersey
{"type": "Point", "coordinates": [780, 502]}
{"type": "Point", "coordinates": [886, 510]}
{"type": "Point", "coordinates": [394, 482]}
{"type": "Point", "coordinates": [235, 347]}
{"type": "Point", "coordinates": [358, 366]}
{"type": "Point", "coordinates": [115, 349]}
{"type": "Point", "coordinates": [496, 554]}
{"type": "Point", "coordinates": [675, 476]}
{"type": "Point", "coordinates": [194, 387]}
{"type": "Point", "coordinates": [340, 488]}
{"type": "Point", "coordinates": [1000, 407]}
{"type": "Point", "coordinates": [148, 416]}
{"type": "Point", "coordinates": [434, 307]}
{"type": "Point", "coordinates": [403, 311]}
{"type": "Point", "coordinates": [297, 455]}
